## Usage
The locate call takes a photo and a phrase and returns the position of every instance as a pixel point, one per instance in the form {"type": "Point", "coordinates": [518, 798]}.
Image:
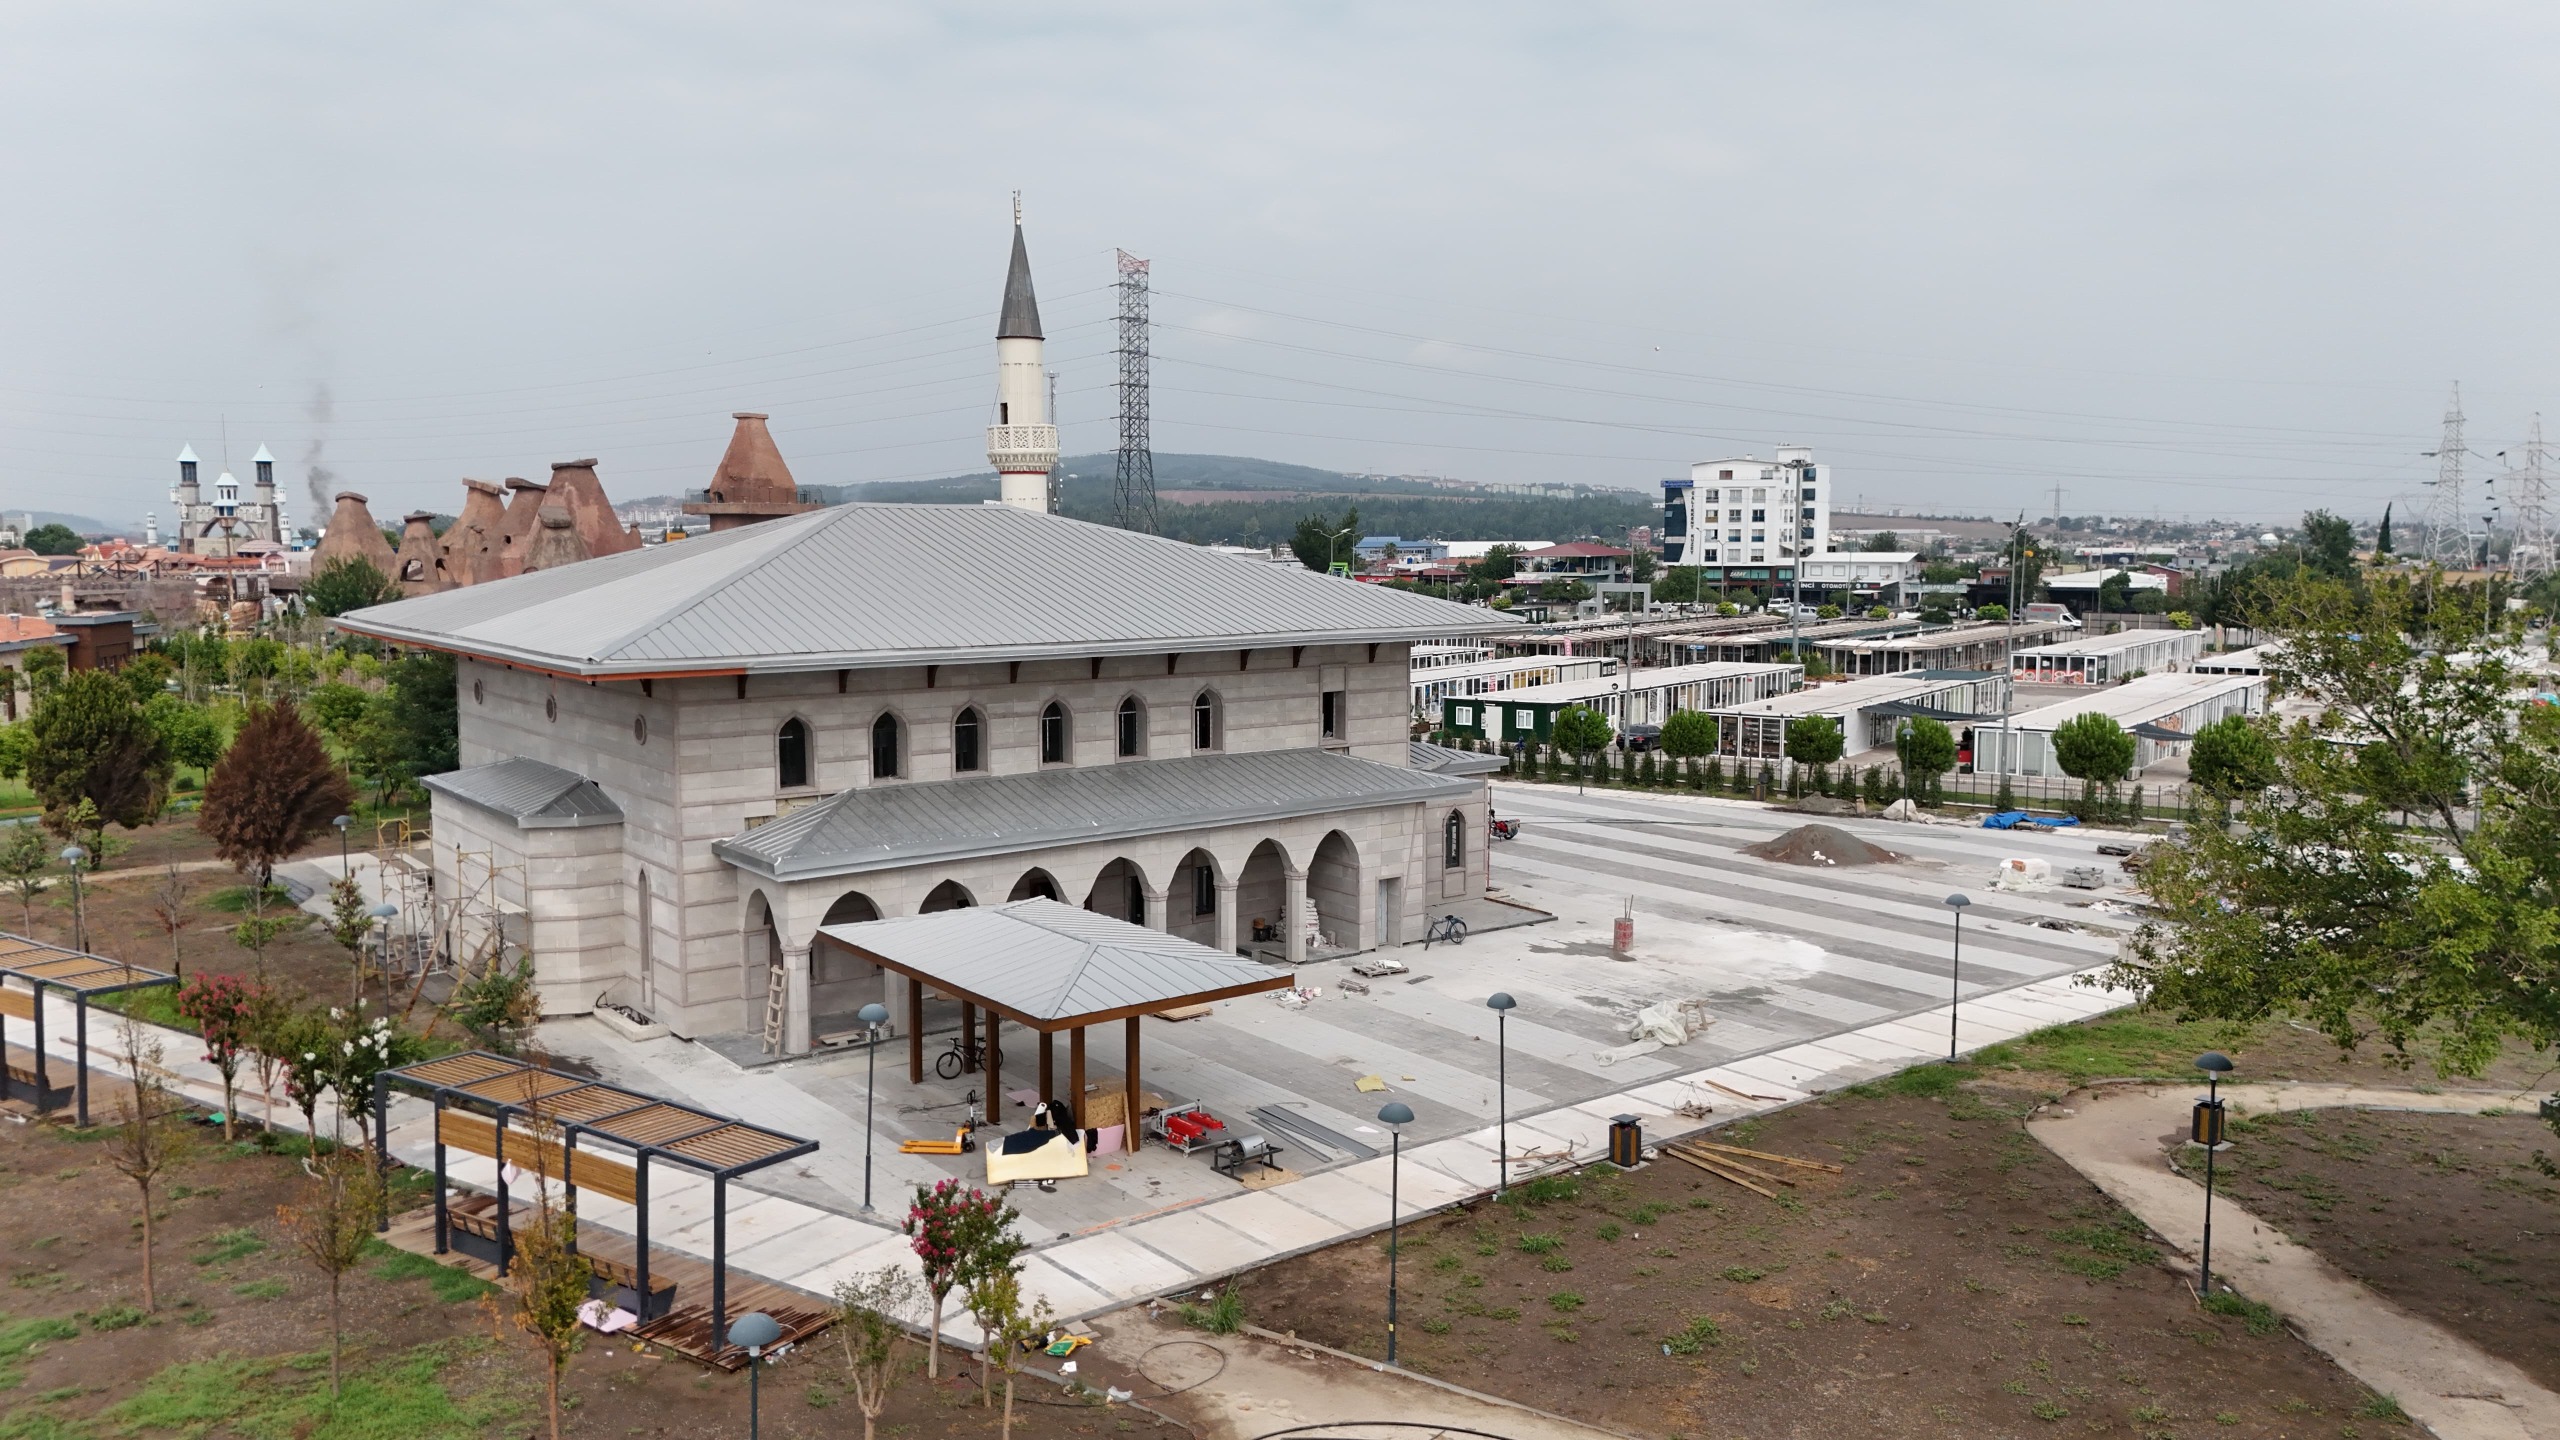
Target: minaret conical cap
{"type": "Point", "coordinates": [1021, 317]}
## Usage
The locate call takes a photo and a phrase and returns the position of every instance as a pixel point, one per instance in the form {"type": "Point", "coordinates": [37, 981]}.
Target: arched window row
{"type": "Point", "coordinates": [794, 755]}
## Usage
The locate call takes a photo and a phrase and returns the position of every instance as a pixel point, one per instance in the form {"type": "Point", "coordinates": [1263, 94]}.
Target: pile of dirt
{"type": "Point", "coordinates": [1822, 845]}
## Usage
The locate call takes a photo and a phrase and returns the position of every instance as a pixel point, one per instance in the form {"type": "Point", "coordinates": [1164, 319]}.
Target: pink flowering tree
{"type": "Point", "coordinates": [947, 1223]}
{"type": "Point", "coordinates": [225, 1010]}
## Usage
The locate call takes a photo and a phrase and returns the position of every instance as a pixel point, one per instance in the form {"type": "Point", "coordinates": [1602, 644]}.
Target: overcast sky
{"type": "Point", "coordinates": [2192, 259]}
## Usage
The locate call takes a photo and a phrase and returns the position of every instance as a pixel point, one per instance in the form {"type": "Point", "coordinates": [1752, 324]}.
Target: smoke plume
{"type": "Point", "coordinates": [322, 480]}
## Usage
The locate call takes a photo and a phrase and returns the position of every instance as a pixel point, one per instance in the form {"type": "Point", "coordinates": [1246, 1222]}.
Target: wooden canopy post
{"type": "Point", "coordinates": [968, 1035]}
{"type": "Point", "coordinates": [995, 1071]}
{"type": "Point", "coordinates": [915, 1031]}
{"type": "Point", "coordinates": [1129, 1043]}
{"type": "Point", "coordinates": [1075, 1073]}
{"type": "Point", "coordinates": [1048, 1066]}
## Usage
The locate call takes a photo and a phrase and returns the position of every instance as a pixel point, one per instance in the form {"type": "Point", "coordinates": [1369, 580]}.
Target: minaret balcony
{"type": "Point", "coordinates": [1022, 447]}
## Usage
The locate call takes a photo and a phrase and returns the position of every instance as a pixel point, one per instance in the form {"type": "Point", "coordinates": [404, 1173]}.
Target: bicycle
{"type": "Point", "coordinates": [959, 1060]}
{"type": "Point", "coordinates": [1447, 927]}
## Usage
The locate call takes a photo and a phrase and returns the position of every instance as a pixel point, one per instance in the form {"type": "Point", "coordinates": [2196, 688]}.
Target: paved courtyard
{"type": "Point", "coordinates": [1815, 977]}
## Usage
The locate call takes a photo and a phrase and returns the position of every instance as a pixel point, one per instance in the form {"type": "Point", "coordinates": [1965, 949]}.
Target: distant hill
{"type": "Point", "coordinates": [84, 525]}
{"type": "Point", "coordinates": [1236, 500]}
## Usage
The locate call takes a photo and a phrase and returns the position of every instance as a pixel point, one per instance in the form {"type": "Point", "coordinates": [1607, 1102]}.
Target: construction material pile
{"type": "Point", "coordinates": [1822, 845]}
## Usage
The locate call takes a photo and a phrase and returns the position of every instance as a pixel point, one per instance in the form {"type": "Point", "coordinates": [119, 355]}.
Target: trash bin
{"type": "Point", "coordinates": [1626, 1142]}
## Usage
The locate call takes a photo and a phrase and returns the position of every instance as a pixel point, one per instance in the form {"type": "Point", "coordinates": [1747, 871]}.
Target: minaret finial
{"type": "Point", "coordinates": [1017, 207]}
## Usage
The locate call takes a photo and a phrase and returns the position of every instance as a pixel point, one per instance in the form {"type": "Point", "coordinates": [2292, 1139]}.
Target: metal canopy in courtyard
{"type": "Point", "coordinates": [77, 973]}
{"type": "Point", "coordinates": [1052, 967]}
{"type": "Point", "coordinates": [564, 1109]}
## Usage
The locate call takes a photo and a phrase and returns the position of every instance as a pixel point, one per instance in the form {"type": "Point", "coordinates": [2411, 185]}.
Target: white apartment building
{"type": "Point", "coordinates": [1889, 577]}
{"type": "Point", "coordinates": [1749, 521]}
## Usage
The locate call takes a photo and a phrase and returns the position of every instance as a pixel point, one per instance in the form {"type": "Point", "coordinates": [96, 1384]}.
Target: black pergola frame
{"type": "Point", "coordinates": [14, 948]}
{"type": "Point", "coordinates": [491, 1068]}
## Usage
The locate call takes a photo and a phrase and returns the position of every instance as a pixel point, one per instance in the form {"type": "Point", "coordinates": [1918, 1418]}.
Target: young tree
{"type": "Point", "coordinates": [225, 1009]}
{"type": "Point", "coordinates": [946, 1224]}
{"type": "Point", "coordinates": [872, 1312]}
{"type": "Point", "coordinates": [1991, 614]}
{"type": "Point", "coordinates": [333, 1225]}
{"type": "Point", "coordinates": [300, 1041]}
{"type": "Point", "coordinates": [2233, 757]}
{"type": "Point", "coordinates": [191, 735]}
{"type": "Point", "coordinates": [1927, 749]}
{"type": "Point", "coordinates": [995, 1302]}
{"type": "Point", "coordinates": [24, 857]}
{"type": "Point", "coordinates": [274, 1040]}
{"type": "Point", "coordinates": [169, 911]}
{"type": "Point", "coordinates": [498, 1006]}
{"type": "Point", "coordinates": [1689, 734]}
{"type": "Point", "coordinates": [347, 584]}
{"type": "Point", "coordinates": [549, 1278]}
{"type": "Point", "coordinates": [1581, 732]}
{"type": "Point", "coordinates": [990, 1246]}
{"type": "Point", "coordinates": [350, 924]}
{"type": "Point", "coordinates": [91, 742]}
{"type": "Point", "coordinates": [2094, 750]}
{"type": "Point", "coordinates": [275, 791]}
{"type": "Point", "coordinates": [45, 667]}
{"type": "Point", "coordinates": [359, 1049]}
{"type": "Point", "coordinates": [147, 675]}
{"type": "Point", "coordinates": [336, 707]}
{"type": "Point", "coordinates": [150, 1137]}
{"type": "Point", "coordinates": [254, 933]}
{"type": "Point", "coordinates": [424, 714]}
{"type": "Point", "coordinates": [1815, 740]}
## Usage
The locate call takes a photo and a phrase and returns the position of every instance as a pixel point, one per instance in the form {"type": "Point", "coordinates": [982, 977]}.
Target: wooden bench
{"type": "Point", "coordinates": [619, 1282]}
{"type": "Point", "coordinates": [475, 1233]}
{"type": "Point", "coordinates": [22, 1082]}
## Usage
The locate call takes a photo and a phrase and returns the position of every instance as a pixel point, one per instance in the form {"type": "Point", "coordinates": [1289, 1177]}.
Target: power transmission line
{"type": "Point", "coordinates": [2529, 555]}
{"type": "Point", "coordinates": [2444, 541]}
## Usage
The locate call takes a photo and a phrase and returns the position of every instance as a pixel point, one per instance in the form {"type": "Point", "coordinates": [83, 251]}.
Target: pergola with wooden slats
{"type": "Point", "coordinates": [76, 973]}
{"type": "Point", "coordinates": [479, 1097]}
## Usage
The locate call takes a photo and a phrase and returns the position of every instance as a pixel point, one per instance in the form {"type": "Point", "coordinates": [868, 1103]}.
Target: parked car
{"type": "Point", "coordinates": [1640, 737]}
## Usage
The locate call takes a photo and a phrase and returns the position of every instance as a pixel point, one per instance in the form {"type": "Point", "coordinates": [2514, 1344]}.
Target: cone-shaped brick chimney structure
{"type": "Point", "coordinates": [752, 482]}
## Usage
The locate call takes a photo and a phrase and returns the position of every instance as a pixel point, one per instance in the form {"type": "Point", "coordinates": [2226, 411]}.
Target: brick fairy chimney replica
{"type": "Point", "coordinates": [557, 540]}
{"type": "Point", "coordinates": [752, 482]}
{"type": "Point", "coordinates": [515, 528]}
{"type": "Point", "coordinates": [421, 560]}
{"type": "Point", "coordinates": [352, 535]}
{"type": "Point", "coordinates": [576, 490]}
{"type": "Point", "coordinates": [471, 542]}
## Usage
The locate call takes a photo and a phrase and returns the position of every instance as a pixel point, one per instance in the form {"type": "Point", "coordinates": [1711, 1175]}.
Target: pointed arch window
{"type": "Point", "coordinates": [888, 748]}
{"type": "Point", "coordinates": [1205, 720]}
{"type": "Point", "coordinates": [1053, 734]}
{"type": "Point", "coordinates": [1133, 728]}
{"type": "Point", "coordinates": [1453, 841]}
{"type": "Point", "coordinates": [968, 742]}
{"type": "Point", "coordinates": [791, 755]}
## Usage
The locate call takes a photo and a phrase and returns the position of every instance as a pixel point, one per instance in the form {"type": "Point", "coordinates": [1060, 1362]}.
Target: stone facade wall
{"type": "Point", "coordinates": [692, 761]}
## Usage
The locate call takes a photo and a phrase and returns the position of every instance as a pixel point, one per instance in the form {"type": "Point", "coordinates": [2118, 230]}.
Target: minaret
{"type": "Point", "coordinates": [1022, 444]}
{"type": "Point", "coordinates": [265, 518]}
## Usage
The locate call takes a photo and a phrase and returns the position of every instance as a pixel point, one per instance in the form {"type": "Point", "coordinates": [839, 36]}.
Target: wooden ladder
{"type": "Point", "coordinates": [777, 1001]}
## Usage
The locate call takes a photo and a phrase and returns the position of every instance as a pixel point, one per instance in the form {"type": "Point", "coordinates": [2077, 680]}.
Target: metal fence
{"type": "Point", "coordinates": [2166, 800]}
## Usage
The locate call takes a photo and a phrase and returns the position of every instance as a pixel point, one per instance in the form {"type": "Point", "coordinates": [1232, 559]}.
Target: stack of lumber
{"type": "Point", "coordinates": [1734, 1163]}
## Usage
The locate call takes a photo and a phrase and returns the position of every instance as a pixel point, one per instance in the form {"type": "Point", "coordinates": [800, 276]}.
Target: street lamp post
{"type": "Point", "coordinates": [75, 857]}
{"type": "Point", "coordinates": [2206, 1130]}
{"type": "Point", "coordinates": [1332, 547]}
{"type": "Point", "coordinates": [1955, 973]}
{"type": "Point", "coordinates": [873, 1016]}
{"type": "Point", "coordinates": [752, 1332]}
{"type": "Point", "coordinates": [342, 822]}
{"type": "Point", "coordinates": [1501, 1004]}
{"type": "Point", "coordinates": [1395, 1115]}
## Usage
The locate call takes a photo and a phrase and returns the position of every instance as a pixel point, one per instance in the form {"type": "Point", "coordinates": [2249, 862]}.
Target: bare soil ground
{"type": "Point", "coordinates": [122, 924]}
{"type": "Point", "coordinates": [238, 1346]}
{"type": "Point", "coordinates": [2447, 1215]}
{"type": "Point", "coordinates": [1957, 1279]}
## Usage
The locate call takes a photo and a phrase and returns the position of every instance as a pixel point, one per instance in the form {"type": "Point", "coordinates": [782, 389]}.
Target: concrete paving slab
{"type": "Point", "coordinates": [792, 1251]}
{"type": "Point", "coordinates": [1116, 1264]}
{"type": "Point", "coordinates": [1338, 1198]}
{"type": "Point", "coordinates": [1044, 1279]}
{"type": "Point", "coordinates": [1279, 1225]}
{"type": "Point", "coordinates": [1196, 1240]}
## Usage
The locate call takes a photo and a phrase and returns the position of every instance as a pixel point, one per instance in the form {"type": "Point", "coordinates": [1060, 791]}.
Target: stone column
{"type": "Point", "coordinates": [1227, 917]}
{"type": "Point", "coordinates": [1156, 919]}
{"type": "Point", "coordinates": [1293, 918]}
{"type": "Point", "coordinates": [795, 1005]}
